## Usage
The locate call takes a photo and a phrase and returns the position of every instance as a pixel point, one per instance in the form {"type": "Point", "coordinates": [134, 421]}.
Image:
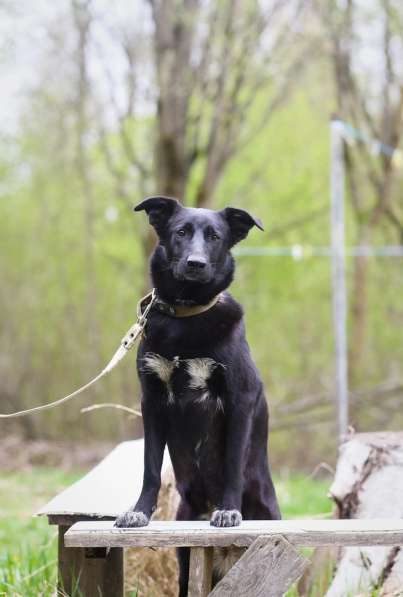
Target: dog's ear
{"type": "Point", "coordinates": [239, 222]}
{"type": "Point", "coordinates": [159, 209]}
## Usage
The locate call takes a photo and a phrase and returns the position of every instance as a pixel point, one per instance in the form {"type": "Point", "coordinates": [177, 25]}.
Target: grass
{"type": "Point", "coordinates": [303, 497]}
{"type": "Point", "coordinates": [28, 544]}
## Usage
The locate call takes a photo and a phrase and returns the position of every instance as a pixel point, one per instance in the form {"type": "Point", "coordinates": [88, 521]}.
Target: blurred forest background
{"type": "Point", "coordinates": [217, 103]}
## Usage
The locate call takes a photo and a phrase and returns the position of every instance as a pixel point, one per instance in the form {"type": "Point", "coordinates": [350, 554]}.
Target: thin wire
{"type": "Point", "coordinates": [303, 252]}
{"type": "Point", "coordinates": [376, 145]}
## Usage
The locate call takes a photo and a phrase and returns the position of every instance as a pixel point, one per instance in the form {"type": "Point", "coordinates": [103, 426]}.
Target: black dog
{"type": "Point", "coordinates": [202, 395]}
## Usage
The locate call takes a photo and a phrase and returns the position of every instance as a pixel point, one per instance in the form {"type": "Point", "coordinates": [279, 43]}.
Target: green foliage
{"type": "Point", "coordinates": [69, 292]}
{"type": "Point", "coordinates": [301, 496]}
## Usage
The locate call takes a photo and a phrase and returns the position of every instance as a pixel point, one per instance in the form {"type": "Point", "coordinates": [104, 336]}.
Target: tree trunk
{"type": "Point", "coordinates": [172, 49]}
{"type": "Point", "coordinates": [83, 23]}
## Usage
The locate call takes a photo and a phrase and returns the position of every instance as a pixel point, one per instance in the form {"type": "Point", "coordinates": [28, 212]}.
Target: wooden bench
{"type": "Point", "coordinates": [269, 562]}
{"type": "Point", "coordinates": [90, 552]}
{"type": "Point", "coordinates": [109, 488]}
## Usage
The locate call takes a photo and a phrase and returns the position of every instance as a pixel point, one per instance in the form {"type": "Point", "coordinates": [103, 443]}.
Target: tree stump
{"type": "Point", "coordinates": [369, 484]}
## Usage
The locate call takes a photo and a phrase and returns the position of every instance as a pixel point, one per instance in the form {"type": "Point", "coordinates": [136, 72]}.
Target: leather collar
{"type": "Point", "coordinates": [177, 310]}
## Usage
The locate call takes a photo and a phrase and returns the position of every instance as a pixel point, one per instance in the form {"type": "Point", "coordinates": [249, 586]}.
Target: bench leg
{"type": "Point", "coordinates": [69, 564]}
{"type": "Point", "coordinates": [200, 571]}
{"type": "Point", "coordinates": [268, 568]}
{"type": "Point", "coordinates": [89, 572]}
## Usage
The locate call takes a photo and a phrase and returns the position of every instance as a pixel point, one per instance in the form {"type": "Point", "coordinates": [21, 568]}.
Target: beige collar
{"type": "Point", "coordinates": [151, 300]}
{"type": "Point", "coordinates": [190, 310]}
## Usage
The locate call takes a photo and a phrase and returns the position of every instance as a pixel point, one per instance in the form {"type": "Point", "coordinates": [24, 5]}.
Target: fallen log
{"type": "Point", "coordinates": [369, 484]}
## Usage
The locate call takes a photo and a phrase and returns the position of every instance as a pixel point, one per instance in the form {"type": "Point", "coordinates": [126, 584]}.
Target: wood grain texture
{"type": "Point", "coordinates": [89, 571]}
{"type": "Point", "coordinates": [301, 533]}
{"type": "Point", "coordinates": [200, 571]}
{"type": "Point", "coordinates": [102, 573]}
{"type": "Point", "coordinates": [225, 557]}
{"type": "Point", "coordinates": [268, 568]}
{"type": "Point", "coordinates": [368, 479]}
{"type": "Point", "coordinates": [70, 519]}
{"type": "Point", "coordinates": [70, 563]}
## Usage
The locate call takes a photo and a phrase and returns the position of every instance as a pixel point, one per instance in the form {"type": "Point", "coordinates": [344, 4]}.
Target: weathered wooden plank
{"type": "Point", "coordinates": [200, 571]}
{"type": "Point", "coordinates": [102, 573]}
{"type": "Point", "coordinates": [200, 534]}
{"type": "Point", "coordinates": [67, 520]}
{"type": "Point", "coordinates": [89, 571]}
{"type": "Point", "coordinates": [225, 557]}
{"type": "Point", "coordinates": [268, 568]}
{"type": "Point", "coordinates": [108, 489]}
{"type": "Point", "coordinates": [70, 563]}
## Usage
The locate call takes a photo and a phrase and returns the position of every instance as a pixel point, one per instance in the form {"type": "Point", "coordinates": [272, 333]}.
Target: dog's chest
{"type": "Point", "coordinates": [195, 380]}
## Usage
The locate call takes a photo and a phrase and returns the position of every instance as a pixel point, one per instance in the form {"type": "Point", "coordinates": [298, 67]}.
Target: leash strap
{"type": "Point", "coordinates": [128, 341]}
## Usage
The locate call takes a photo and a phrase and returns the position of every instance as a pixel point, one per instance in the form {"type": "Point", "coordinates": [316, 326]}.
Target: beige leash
{"type": "Point", "coordinates": [127, 342]}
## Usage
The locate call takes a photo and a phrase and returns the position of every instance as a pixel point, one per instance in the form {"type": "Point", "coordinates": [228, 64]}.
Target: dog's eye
{"type": "Point", "coordinates": [215, 236]}
{"type": "Point", "coordinates": [181, 232]}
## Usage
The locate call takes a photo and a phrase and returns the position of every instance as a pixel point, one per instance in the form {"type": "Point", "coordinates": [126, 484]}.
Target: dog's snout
{"type": "Point", "coordinates": [196, 262]}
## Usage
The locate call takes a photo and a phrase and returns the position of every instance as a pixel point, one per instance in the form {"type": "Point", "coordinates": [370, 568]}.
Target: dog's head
{"type": "Point", "coordinates": [196, 241]}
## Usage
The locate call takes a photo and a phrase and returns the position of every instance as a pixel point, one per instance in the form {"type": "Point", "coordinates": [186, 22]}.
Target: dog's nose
{"type": "Point", "coordinates": [196, 262]}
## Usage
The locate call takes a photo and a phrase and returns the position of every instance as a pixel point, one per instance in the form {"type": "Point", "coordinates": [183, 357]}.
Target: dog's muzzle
{"type": "Point", "coordinates": [194, 268]}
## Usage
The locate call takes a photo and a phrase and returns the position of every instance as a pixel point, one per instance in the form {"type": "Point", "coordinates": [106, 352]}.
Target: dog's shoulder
{"type": "Point", "coordinates": [227, 313]}
{"type": "Point", "coordinates": [228, 307]}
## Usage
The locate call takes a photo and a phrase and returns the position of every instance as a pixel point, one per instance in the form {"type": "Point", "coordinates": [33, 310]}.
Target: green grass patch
{"type": "Point", "coordinates": [303, 497]}
{"type": "Point", "coordinates": [29, 545]}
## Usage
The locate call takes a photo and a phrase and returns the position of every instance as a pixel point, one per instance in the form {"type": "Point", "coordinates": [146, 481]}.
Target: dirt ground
{"type": "Point", "coordinates": [17, 453]}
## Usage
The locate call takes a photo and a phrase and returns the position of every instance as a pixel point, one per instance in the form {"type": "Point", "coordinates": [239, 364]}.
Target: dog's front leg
{"type": "Point", "coordinates": [154, 445]}
{"type": "Point", "coordinates": [228, 514]}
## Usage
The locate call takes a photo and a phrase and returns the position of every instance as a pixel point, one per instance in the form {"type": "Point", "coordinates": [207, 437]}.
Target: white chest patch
{"type": "Point", "coordinates": [198, 370]}
{"type": "Point", "coordinates": [155, 363]}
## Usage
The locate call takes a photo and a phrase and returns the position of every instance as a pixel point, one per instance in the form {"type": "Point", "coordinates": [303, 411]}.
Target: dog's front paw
{"type": "Point", "coordinates": [131, 519]}
{"type": "Point", "coordinates": [226, 518]}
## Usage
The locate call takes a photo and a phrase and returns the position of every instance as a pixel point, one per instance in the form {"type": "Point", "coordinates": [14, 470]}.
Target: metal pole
{"type": "Point", "coordinates": [337, 181]}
